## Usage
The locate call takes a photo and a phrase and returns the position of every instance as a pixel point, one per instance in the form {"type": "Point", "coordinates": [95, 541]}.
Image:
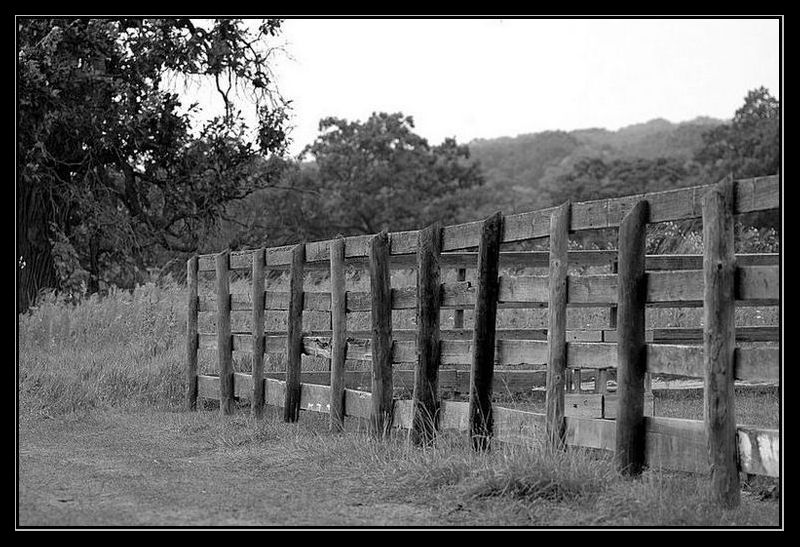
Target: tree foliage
{"type": "Point", "coordinates": [750, 145]}
{"type": "Point", "coordinates": [111, 172]}
{"type": "Point", "coordinates": [380, 173]}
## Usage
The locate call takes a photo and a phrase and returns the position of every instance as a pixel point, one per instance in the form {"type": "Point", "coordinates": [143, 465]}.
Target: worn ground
{"type": "Point", "coordinates": [148, 468]}
{"type": "Point", "coordinates": [175, 469]}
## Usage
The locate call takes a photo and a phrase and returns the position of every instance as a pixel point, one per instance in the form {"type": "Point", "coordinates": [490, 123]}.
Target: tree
{"type": "Point", "coordinates": [750, 145]}
{"type": "Point", "coordinates": [111, 176]}
{"type": "Point", "coordinates": [380, 174]}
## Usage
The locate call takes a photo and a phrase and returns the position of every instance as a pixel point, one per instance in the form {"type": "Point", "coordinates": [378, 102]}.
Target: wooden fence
{"type": "Point", "coordinates": [718, 352]}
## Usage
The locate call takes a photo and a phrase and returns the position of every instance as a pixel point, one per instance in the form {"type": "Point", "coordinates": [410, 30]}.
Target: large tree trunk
{"type": "Point", "coordinates": [35, 267]}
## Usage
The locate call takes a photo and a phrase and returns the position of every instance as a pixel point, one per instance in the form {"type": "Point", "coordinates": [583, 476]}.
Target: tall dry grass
{"type": "Point", "coordinates": [125, 348]}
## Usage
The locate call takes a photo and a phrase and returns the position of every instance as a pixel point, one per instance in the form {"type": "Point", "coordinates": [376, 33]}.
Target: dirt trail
{"type": "Point", "coordinates": [174, 469]}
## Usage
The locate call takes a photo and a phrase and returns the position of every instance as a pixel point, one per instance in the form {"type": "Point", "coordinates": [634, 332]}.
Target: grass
{"type": "Point", "coordinates": [125, 353]}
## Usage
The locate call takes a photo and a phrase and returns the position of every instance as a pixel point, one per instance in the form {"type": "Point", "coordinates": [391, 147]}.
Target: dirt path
{"type": "Point", "coordinates": [174, 469]}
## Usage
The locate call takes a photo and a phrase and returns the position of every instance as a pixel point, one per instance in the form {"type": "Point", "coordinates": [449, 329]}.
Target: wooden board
{"type": "Point", "coordinates": [754, 194]}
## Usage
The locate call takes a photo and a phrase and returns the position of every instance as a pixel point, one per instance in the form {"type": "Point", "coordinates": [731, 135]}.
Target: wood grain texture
{"type": "Point", "coordinates": [754, 194]}
{"type": "Point", "coordinates": [719, 267]}
{"type": "Point", "coordinates": [631, 356]}
{"type": "Point", "coordinates": [672, 443]}
{"type": "Point", "coordinates": [425, 404]}
{"type": "Point", "coordinates": [339, 334]}
{"type": "Point", "coordinates": [257, 285]}
{"type": "Point", "coordinates": [483, 339]}
{"type": "Point", "coordinates": [294, 337]}
{"type": "Point", "coordinates": [224, 341]}
{"type": "Point", "coordinates": [557, 325]}
{"type": "Point", "coordinates": [381, 308]}
{"type": "Point", "coordinates": [191, 333]}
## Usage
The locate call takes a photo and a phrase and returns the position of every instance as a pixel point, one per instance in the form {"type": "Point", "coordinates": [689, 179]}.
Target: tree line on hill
{"type": "Point", "coordinates": [115, 181]}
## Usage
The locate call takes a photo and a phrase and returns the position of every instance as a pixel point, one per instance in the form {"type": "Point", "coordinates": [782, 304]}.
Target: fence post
{"type": "Point", "coordinates": [224, 341]}
{"type": "Point", "coordinates": [483, 333]}
{"type": "Point", "coordinates": [381, 294]}
{"type": "Point", "coordinates": [425, 405]}
{"type": "Point", "coordinates": [557, 325]}
{"type": "Point", "coordinates": [631, 348]}
{"type": "Point", "coordinates": [294, 335]}
{"type": "Point", "coordinates": [257, 402]}
{"type": "Point", "coordinates": [191, 334]}
{"type": "Point", "coordinates": [719, 336]}
{"type": "Point", "coordinates": [338, 334]}
{"type": "Point", "coordinates": [458, 315]}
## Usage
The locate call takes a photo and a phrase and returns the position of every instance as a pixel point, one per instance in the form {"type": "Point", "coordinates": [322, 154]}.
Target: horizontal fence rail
{"type": "Point", "coordinates": [751, 195]}
{"type": "Point", "coordinates": [674, 444]}
{"type": "Point", "coordinates": [755, 285]}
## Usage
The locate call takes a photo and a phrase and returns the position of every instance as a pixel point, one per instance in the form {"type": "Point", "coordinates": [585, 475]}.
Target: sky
{"type": "Point", "coordinates": [487, 78]}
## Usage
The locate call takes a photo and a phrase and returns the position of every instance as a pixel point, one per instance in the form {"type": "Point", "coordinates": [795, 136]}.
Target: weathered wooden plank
{"type": "Point", "coordinates": [758, 364]}
{"type": "Point", "coordinates": [244, 386]}
{"type": "Point", "coordinates": [454, 415]}
{"type": "Point", "coordinates": [695, 262]}
{"type": "Point", "coordinates": [757, 194]}
{"type": "Point", "coordinates": [517, 426]}
{"type": "Point", "coordinates": [677, 444]}
{"type": "Point", "coordinates": [590, 432]}
{"type": "Point", "coordinates": [483, 340]}
{"type": "Point", "coordinates": [719, 341]}
{"type": "Point", "coordinates": [224, 342]}
{"type": "Point", "coordinates": [681, 360]}
{"type": "Point", "coordinates": [678, 335]}
{"type": "Point", "coordinates": [611, 403]}
{"type": "Point", "coordinates": [425, 405]}
{"type": "Point", "coordinates": [758, 283]}
{"type": "Point", "coordinates": [257, 324]}
{"type": "Point", "coordinates": [339, 334]}
{"type": "Point", "coordinates": [759, 451]}
{"type": "Point", "coordinates": [191, 333]}
{"type": "Point", "coordinates": [274, 392]}
{"type": "Point", "coordinates": [584, 405]}
{"type": "Point", "coordinates": [381, 293]}
{"type": "Point", "coordinates": [751, 363]}
{"type": "Point", "coordinates": [208, 387]}
{"type": "Point", "coordinates": [402, 417]}
{"type": "Point", "coordinates": [591, 355]}
{"type": "Point", "coordinates": [557, 325]}
{"type": "Point", "coordinates": [315, 398]}
{"type": "Point", "coordinates": [631, 356]}
{"type": "Point", "coordinates": [357, 403]}
{"type": "Point", "coordinates": [294, 337]}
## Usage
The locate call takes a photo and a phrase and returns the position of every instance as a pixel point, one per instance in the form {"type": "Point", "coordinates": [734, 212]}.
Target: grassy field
{"type": "Point", "coordinates": [103, 441]}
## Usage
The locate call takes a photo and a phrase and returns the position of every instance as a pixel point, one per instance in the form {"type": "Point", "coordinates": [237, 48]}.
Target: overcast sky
{"type": "Point", "coordinates": [484, 78]}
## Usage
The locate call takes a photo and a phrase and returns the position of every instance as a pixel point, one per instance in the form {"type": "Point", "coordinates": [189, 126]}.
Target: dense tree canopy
{"type": "Point", "coordinates": [380, 173]}
{"type": "Point", "coordinates": [358, 178]}
{"type": "Point", "coordinates": [750, 145]}
{"type": "Point", "coordinates": [110, 171]}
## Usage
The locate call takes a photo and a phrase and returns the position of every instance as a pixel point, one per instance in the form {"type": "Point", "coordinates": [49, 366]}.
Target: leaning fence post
{"type": "Point", "coordinates": [719, 264]}
{"type": "Point", "coordinates": [458, 315]}
{"type": "Point", "coordinates": [425, 404]}
{"type": "Point", "coordinates": [631, 348]}
{"type": "Point", "coordinates": [224, 341]}
{"type": "Point", "coordinates": [294, 335]}
{"type": "Point", "coordinates": [381, 293]}
{"type": "Point", "coordinates": [257, 402]}
{"type": "Point", "coordinates": [483, 333]}
{"type": "Point", "coordinates": [191, 334]}
{"type": "Point", "coordinates": [338, 334]}
{"type": "Point", "coordinates": [557, 325]}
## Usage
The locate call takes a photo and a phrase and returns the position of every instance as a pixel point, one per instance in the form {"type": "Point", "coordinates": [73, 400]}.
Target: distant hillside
{"type": "Point", "coordinates": [514, 166]}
